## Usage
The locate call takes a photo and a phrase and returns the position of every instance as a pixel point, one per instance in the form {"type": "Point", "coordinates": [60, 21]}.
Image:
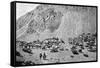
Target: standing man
{"type": "Point", "coordinates": [40, 56]}
{"type": "Point", "coordinates": [44, 56]}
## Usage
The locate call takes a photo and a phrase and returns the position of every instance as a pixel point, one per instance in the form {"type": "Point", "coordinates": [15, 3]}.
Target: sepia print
{"type": "Point", "coordinates": [51, 34]}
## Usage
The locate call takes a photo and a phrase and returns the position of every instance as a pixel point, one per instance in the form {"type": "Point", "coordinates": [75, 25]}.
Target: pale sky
{"type": "Point", "coordinates": [22, 8]}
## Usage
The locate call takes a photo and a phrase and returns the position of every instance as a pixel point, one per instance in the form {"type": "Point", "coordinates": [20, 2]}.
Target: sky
{"type": "Point", "coordinates": [22, 8]}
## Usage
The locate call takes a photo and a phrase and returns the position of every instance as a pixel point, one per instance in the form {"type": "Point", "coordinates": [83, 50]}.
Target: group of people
{"type": "Point", "coordinates": [42, 56]}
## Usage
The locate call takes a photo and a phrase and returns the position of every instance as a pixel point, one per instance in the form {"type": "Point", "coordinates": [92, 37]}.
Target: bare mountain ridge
{"type": "Point", "coordinates": [74, 22]}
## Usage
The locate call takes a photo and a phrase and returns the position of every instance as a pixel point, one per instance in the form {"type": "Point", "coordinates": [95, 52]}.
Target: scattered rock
{"type": "Point", "coordinates": [72, 56]}
{"type": "Point", "coordinates": [85, 55]}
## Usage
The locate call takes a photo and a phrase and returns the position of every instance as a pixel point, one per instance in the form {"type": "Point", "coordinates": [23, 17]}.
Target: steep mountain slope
{"type": "Point", "coordinates": [75, 20]}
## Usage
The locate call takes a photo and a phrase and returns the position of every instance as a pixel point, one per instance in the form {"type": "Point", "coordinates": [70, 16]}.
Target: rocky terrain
{"type": "Point", "coordinates": [59, 33]}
